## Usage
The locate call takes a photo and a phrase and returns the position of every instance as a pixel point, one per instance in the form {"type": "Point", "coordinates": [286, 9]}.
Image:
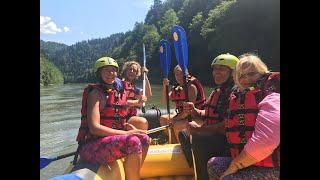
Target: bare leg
{"type": "Point", "coordinates": [139, 122]}
{"type": "Point", "coordinates": [164, 120]}
{"type": "Point", "coordinates": [178, 126]}
{"type": "Point", "coordinates": [132, 166]}
{"type": "Point", "coordinates": [144, 152]}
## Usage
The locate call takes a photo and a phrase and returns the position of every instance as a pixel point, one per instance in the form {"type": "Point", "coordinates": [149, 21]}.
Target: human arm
{"type": "Point", "coordinates": [137, 102]}
{"type": "Point", "coordinates": [93, 118]}
{"type": "Point", "coordinates": [206, 129]}
{"type": "Point", "coordinates": [266, 136]}
{"type": "Point", "coordinates": [241, 161]}
{"type": "Point", "coordinates": [148, 86]}
{"type": "Point", "coordinates": [192, 93]}
{"type": "Point", "coordinates": [190, 109]}
{"type": "Point", "coordinates": [163, 98]}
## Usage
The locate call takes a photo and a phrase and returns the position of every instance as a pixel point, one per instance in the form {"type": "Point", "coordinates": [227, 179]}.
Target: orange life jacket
{"type": "Point", "coordinates": [217, 104]}
{"type": "Point", "coordinates": [132, 95]}
{"type": "Point", "coordinates": [242, 114]}
{"type": "Point", "coordinates": [112, 114]}
{"type": "Point", "coordinates": [178, 96]}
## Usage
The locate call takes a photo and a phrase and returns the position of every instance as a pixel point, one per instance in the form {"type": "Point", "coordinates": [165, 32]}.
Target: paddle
{"type": "Point", "coordinates": [45, 161]}
{"type": "Point", "coordinates": [181, 51]}
{"type": "Point", "coordinates": [144, 79]}
{"type": "Point", "coordinates": [150, 131]}
{"type": "Point", "coordinates": [165, 62]}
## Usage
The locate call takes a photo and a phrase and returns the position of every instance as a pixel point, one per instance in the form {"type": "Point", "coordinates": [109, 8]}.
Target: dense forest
{"type": "Point", "coordinates": [212, 26]}
{"type": "Point", "coordinates": [49, 73]}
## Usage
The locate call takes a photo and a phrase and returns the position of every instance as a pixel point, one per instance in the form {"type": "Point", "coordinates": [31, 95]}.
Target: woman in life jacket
{"type": "Point", "coordinates": [253, 124]}
{"type": "Point", "coordinates": [104, 134]}
{"type": "Point", "coordinates": [131, 71]}
{"type": "Point", "coordinates": [176, 95]}
{"type": "Point", "coordinates": [209, 139]}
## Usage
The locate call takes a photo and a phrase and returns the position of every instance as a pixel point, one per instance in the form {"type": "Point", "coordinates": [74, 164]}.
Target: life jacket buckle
{"type": "Point", "coordinates": [241, 122]}
{"type": "Point", "coordinates": [114, 126]}
{"type": "Point", "coordinates": [241, 116]}
{"type": "Point", "coordinates": [243, 140]}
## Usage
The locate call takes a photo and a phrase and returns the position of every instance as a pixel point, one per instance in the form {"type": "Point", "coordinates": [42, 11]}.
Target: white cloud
{"type": "Point", "coordinates": [66, 29]}
{"type": "Point", "coordinates": [81, 33]}
{"type": "Point", "coordinates": [47, 26]}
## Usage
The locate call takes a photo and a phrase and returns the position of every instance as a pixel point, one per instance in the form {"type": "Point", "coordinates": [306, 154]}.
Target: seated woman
{"type": "Point", "coordinates": [104, 136]}
{"type": "Point", "coordinates": [252, 126]}
{"type": "Point", "coordinates": [131, 71]}
{"type": "Point", "coordinates": [177, 95]}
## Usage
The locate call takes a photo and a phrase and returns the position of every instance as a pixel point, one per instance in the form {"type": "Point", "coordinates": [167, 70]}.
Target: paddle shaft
{"type": "Point", "coordinates": [181, 51]}
{"type": "Point", "coordinates": [186, 93]}
{"type": "Point", "coordinates": [65, 155]}
{"type": "Point", "coordinates": [158, 129]}
{"type": "Point", "coordinates": [167, 99]}
{"type": "Point", "coordinates": [144, 79]}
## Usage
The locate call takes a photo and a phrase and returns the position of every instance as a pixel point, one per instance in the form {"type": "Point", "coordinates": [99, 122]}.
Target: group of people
{"type": "Point", "coordinates": [232, 134]}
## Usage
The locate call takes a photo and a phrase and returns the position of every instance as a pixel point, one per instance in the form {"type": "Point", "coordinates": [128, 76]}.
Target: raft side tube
{"type": "Point", "coordinates": [165, 160]}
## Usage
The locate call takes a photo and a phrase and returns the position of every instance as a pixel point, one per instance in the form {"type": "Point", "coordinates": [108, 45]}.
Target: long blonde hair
{"type": "Point", "coordinates": [248, 60]}
{"type": "Point", "coordinates": [128, 64]}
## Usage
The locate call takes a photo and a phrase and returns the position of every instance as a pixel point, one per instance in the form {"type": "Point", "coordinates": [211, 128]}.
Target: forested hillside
{"type": "Point", "coordinates": [49, 73]}
{"type": "Point", "coordinates": [212, 26]}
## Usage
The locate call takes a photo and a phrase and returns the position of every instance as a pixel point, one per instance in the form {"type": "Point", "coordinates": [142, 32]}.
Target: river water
{"type": "Point", "coordinates": [60, 119]}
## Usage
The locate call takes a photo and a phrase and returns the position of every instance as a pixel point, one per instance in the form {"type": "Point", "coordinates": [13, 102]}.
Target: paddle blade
{"type": "Point", "coordinates": [165, 57]}
{"type": "Point", "coordinates": [44, 161]}
{"type": "Point", "coordinates": [180, 46]}
{"type": "Point", "coordinates": [67, 177]}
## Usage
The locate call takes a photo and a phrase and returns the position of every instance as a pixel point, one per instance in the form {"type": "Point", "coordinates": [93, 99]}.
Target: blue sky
{"type": "Point", "coordinates": [71, 21]}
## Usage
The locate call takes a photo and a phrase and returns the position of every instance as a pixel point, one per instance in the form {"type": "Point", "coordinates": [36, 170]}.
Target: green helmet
{"type": "Point", "coordinates": [105, 61]}
{"type": "Point", "coordinates": [226, 60]}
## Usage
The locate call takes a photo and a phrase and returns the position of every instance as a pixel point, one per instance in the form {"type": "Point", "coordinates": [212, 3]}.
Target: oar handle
{"type": "Point", "coordinates": [65, 155]}
{"type": "Point", "coordinates": [143, 109]}
{"type": "Point", "coordinates": [158, 129]}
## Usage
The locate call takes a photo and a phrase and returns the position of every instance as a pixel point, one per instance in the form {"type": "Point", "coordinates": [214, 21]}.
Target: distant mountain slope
{"type": "Point", "coordinates": [49, 47]}
{"type": "Point", "coordinates": [213, 27]}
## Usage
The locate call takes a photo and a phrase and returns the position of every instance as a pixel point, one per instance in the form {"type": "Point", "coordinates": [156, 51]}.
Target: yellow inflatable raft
{"type": "Point", "coordinates": [163, 162]}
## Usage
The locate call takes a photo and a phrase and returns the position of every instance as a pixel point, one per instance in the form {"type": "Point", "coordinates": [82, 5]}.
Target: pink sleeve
{"type": "Point", "coordinates": [266, 136]}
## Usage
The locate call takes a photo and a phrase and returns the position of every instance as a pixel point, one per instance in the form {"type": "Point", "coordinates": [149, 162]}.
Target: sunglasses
{"type": "Point", "coordinates": [250, 74]}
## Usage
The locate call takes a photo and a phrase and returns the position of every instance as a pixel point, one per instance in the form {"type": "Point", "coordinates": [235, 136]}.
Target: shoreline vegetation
{"type": "Point", "coordinates": [49, 73]}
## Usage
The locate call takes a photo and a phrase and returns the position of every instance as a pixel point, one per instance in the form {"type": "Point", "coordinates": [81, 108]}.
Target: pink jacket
{"type": "Point", "coordinates": [266, 136]}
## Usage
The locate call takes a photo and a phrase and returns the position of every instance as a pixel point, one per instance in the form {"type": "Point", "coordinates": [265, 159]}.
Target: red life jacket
{"type": "Point", "coordinates": [217, 104]}
{"type": "Point", "coordinates": [178, 96]}
{"type": "Point", "coordinates": [242, 114]}
{"type": "Point", "coordinates": [112, 114]}
{"type": "Point", "coordinates": [132, 95]}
